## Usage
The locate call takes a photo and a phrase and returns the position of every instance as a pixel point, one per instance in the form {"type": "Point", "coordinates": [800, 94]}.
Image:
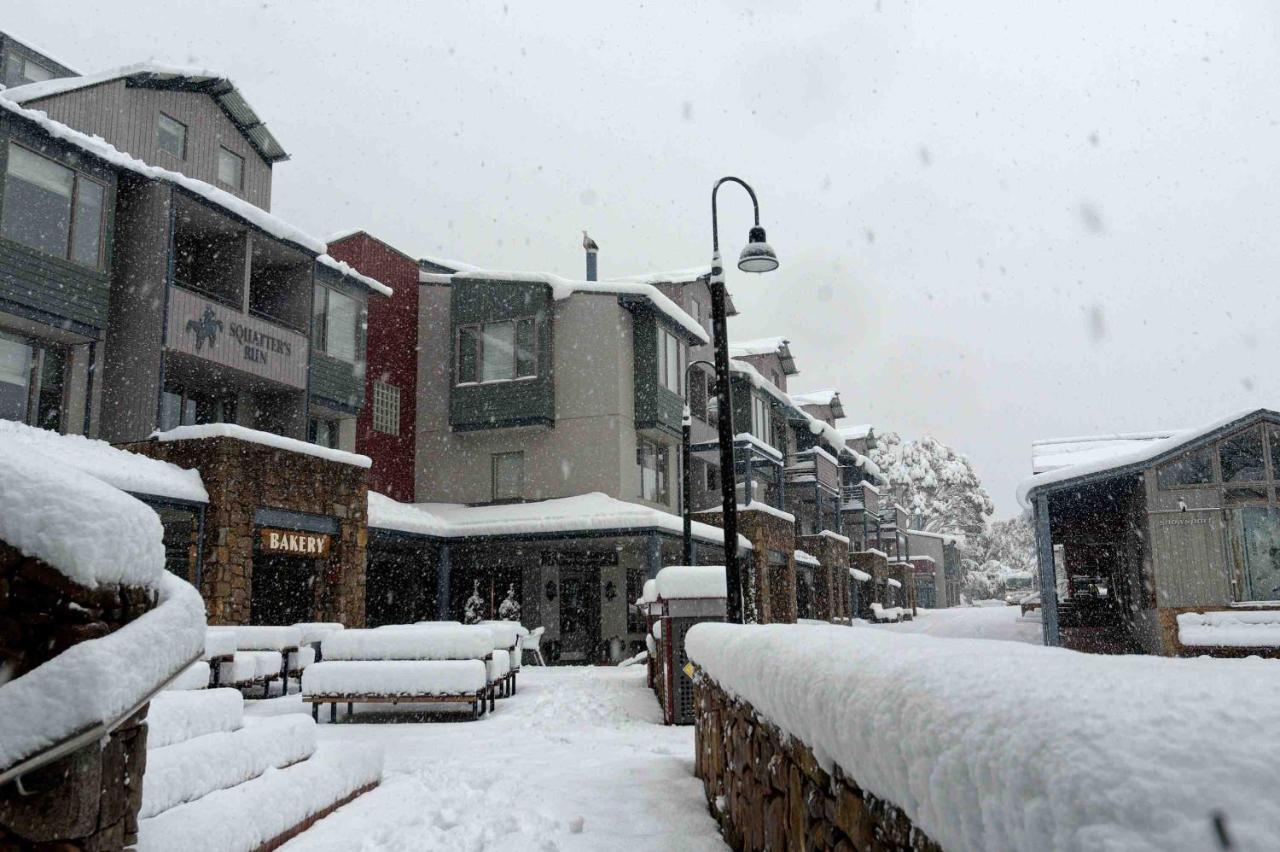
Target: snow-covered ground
{"type": "Point", "coordinates": [966, 622]}
{"type": "Point", "coordinates": [577, 759]}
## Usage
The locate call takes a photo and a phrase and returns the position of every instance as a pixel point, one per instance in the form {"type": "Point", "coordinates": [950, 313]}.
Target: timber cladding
{"type": "Point", "coordinates": [768, 792]}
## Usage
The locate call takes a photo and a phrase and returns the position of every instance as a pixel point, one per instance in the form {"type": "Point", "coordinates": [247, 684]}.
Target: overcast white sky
{"type": "Point", "coordinates": [997, 221]}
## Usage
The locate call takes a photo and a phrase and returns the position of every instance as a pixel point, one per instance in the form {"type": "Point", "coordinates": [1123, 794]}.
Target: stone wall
{"type": "Point", "coordinates": [88, 800]}
{"type": "Point", "coordinates": [771, 590]}
{"type": "Point", "coordinates": [831, 580]}
{"type": "Point", "coordinates": [242, 476]}
{"type": "Point", "coordinates": [768, 792]}
{"type": "Point", "coordinates": [877, 565]}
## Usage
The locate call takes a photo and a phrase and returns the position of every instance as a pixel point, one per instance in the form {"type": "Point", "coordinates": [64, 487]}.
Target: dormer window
{"type": "Point", "coordinates": [171, 136]}
{"type": "Point", "coordinates": [497, 351]}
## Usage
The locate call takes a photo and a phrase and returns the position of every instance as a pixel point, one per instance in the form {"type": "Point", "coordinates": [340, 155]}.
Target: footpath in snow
{"type": "Point", "coordinates": [974, 622]}
{"type": "Point", "coordinates": [577, 760]}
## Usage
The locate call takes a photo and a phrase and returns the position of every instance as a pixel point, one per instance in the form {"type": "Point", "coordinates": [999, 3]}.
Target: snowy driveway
{"type": "Point", "coordinates": [576, 760]}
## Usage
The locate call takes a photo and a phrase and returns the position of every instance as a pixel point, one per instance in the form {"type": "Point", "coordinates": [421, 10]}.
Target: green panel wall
{"type": "Point", "coordinates": [48, 287]}
{"type": "Point", "coordinates": [656, 407]}
{"type": "Point", "coordinates": [497, 405]}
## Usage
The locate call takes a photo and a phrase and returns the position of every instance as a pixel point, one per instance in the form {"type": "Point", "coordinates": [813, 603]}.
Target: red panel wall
{"type": "Point", "coordinates": [392, 358]}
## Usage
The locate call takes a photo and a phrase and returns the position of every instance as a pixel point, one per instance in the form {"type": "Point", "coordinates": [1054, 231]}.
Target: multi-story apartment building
{"type": "Point", "coordinates": [22, 62]}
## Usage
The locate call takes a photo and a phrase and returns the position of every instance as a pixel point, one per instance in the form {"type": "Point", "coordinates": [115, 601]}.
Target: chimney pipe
{"type": "Point", "coordinates": [591, 264]}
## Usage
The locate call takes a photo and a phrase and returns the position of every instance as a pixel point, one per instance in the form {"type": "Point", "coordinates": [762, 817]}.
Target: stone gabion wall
{"type": "Point", "coordinates": [89, 800]}
{"type": "Point", "coordinates": [768, 792]}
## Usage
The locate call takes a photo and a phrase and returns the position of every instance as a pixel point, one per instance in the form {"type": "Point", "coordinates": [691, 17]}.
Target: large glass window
{"type": "Point", "coordinates": [181, 406]}
{"type": "Point", "coordinates": [33, 382]}
{"type": "Point", "coordinates": [497, 351]}
{"type": "Point", "coordinates": [670, 361]}
{"type": "Point", "coordinates": [508, 476]}
{"type": "Point", "coordinates": [20, 70]}
{"type": "Point", "coordinates": [230, 169]}
{"type": "Point", "coordinates": [171, 136]}
{"type": "Point", "coordinates": [1192, 468]}
{"type": "Point", "coordinates": [652, 459]}
{"type": "Point", "coordinates": [51, 208]}
{"type": "Point", "coordinates": [1241, 458]}
{"type": "Point", "coordinates": [335, 319]}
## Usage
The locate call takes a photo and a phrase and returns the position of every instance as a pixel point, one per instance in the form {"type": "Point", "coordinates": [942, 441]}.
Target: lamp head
{"type": "Point", "coordinates": [758, 255]}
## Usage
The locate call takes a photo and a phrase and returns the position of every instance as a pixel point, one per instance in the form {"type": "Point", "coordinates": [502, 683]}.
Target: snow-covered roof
{"type": "Point", "coordinates": [593, 512]}
{"type": "Point", "coordinates": [1053, 453]}
{"type": "Point", "coordinates": [758, 346]}
{"type": "Point", "coordinates": [96, 146]}
{"type": "Point", "coordinates": [563, 288]}
{"type": "Point", "coordinates": [826, 396]}
{"type": "Point", "coordinates": [213, 83]}
{"type": "Point", "coordinates": [267, 439]}
{"type": "Point", "coordinates": [1137, 455]}
{"type": "Point", "coordinates": [446, 263]}
{"type": "Point", "coordinates": [856, 433]}
{"type": "Point", "coordinates": [671, 276]}
{"type": "Point", "coordinates": [120, 468]}
{"type": "Point", "coordinates": [91, 532]}
{"type": "Point", "coordinates": [1191, 733]}
{"type": "Point", "coordinates": [344, 268]}
{"type": "Point", "coordinates": [946, 538]}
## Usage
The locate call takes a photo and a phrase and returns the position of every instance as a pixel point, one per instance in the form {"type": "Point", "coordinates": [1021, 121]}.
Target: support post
{"type": "Point", "coordinates": [724, 428]}
{"type": "Point", "coordinates": [443, 570]}
{"type": "Point", "coordinates": [1048, 573]}
{"type": "Point", "coordinates": [686, 485]}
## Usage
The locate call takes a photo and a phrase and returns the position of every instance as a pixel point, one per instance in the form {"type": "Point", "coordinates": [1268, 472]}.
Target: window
{"type": "Point", "coordinates": [508, 476]}
{"type": "Point", "coordinates": [20, 70]}
{"type": "Point", "coordinates": [50, 207]}
{"type": "Point", "coordinates": [761, 423]}
{"type": "Point", "coordinates": [670, 361]}
{"type": "Point", "coordinates": [181, 406]}
{"type": "Point", "coordinates": [230, 169]}
{"type": "Point", "coordinates": [652, 459]}
{"type": "Point", "coordinates": [695, 310]}
{"type": "Point", "coordinates": [386, 409]}
{"type": "Point", "coordinates": [32, 382]}
{"type": "Point", "coordinates": [1193, 468]}
{"type": "Point", "coordinates": [497, 351]}
{"type": "Point", "coordinates": [171, 136]}
{"type": "Point", "coordinates": [334, 324]}
{"type": "Point", "coordinates": [323, 432]}
{"type": "Point", "coordinates": [1241, 458]}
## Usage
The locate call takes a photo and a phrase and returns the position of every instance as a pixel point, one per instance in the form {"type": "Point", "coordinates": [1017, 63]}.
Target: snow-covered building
{"type": "Point", "coordinates": [1169, 545]}
{"type": "Point", "coordinates": [22, 62]}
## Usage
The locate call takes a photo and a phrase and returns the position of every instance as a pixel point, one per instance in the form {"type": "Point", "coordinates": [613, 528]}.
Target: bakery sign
{"type": "Point", "coordinates": [214, 332]}
{"type": "Point", "coordinates": [293, 542]}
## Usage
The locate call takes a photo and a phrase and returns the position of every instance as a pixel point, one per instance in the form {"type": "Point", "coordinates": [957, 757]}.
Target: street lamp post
{"type": "Point", "coordinates": [686, 506]}
{"type": "Point", "coordinates": [757, 256]}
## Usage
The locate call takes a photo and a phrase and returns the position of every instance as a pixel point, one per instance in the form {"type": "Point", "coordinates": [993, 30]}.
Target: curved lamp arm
{"type": "Point", "coordinates": [715, 223]}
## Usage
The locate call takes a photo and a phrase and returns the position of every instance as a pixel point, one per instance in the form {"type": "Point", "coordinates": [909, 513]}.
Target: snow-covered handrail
{"type": "Point", "coordinates": [84, 693]}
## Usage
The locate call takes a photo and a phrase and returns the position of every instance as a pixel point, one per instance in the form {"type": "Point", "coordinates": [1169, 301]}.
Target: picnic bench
{"type": "Point", "coordinates": [886, 614]}
{"type": "Point", "coordinates": [263, 655]}
{"type": "Point", "coordinates": [407, 664]}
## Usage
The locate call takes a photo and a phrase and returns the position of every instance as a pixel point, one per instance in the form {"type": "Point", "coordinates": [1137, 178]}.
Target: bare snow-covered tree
{"type": "Point", "coordinates": [934, 483]}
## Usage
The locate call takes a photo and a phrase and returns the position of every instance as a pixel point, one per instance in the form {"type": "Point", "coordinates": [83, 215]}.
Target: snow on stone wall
{"type": "Point", "coordinates": [999, 745]}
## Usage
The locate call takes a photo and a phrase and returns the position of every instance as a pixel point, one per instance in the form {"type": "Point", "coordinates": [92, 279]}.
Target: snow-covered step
{"type": "Point", "coordinates": [268, 809]}
{"type": "Point", "coordinates": [188, 770]}
{"type": "Point", "coordinates": [176, 715]}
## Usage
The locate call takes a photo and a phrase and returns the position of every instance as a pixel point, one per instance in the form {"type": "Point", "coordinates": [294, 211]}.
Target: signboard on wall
{"type": "Point", "coordinates": [293, 542]}
{"type": "Point", "coordinates": [212, 331]}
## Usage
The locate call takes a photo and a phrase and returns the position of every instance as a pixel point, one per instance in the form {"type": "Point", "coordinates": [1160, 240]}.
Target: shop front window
{"type": "Point", "coordinates": [1241, 458]}
{"type": "Point", "coordinates": [1192, 468]}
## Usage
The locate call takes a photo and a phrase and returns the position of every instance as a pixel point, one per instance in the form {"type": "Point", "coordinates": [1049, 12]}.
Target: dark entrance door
{"type": "Point", "coordinates": [400, 587]}
{"type": "Point", "coordinates": [283, 589]}
{"type": "Point", "coordinates": [579, 614]}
